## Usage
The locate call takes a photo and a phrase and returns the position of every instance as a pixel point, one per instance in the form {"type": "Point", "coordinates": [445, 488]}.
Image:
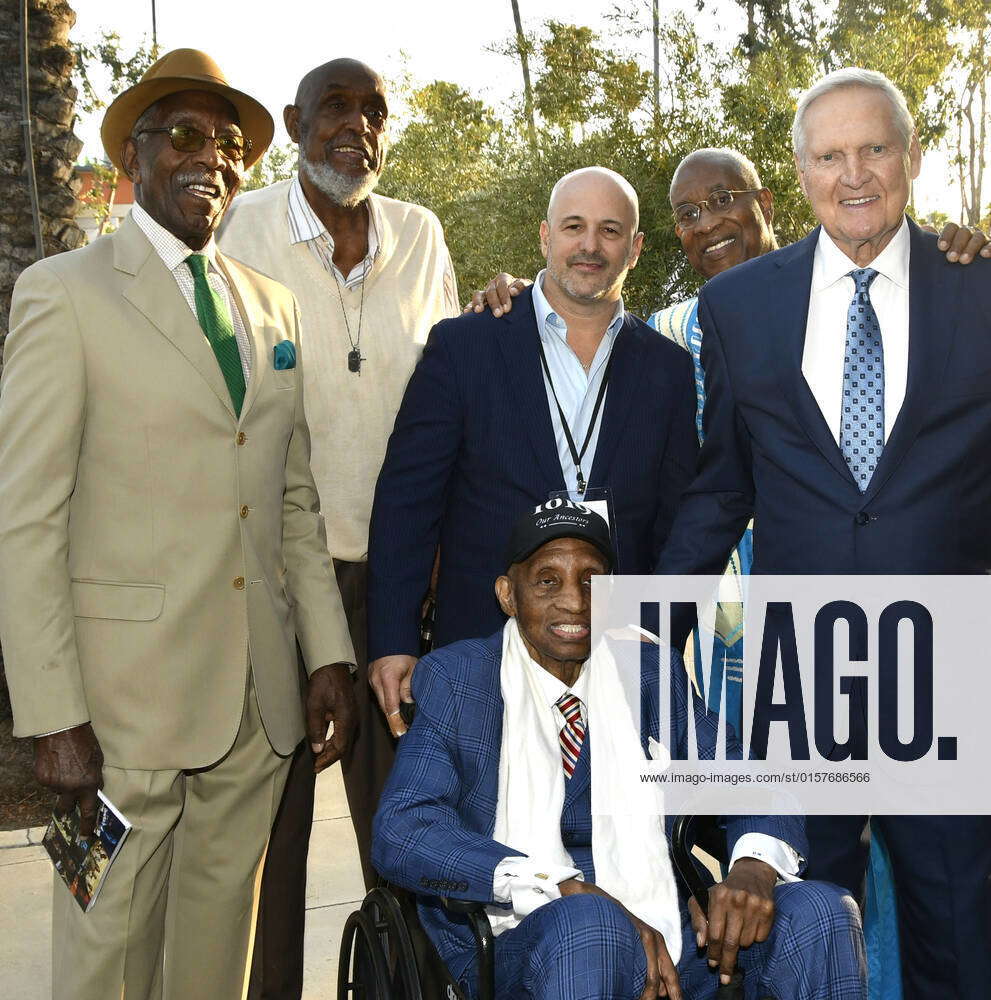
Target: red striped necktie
{"type": "Point", "coordinates": [572, 733]}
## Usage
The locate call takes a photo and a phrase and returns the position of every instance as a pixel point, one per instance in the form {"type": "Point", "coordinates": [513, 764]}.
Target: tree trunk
{"type": "Point", "coordinates": [521, 45]}
{"type": "Point", "coordinates": [656, 28]}
{"type": "Point", "coordinates": [50, 63]}
{"type": "Point", "coordinates": [53, 99]}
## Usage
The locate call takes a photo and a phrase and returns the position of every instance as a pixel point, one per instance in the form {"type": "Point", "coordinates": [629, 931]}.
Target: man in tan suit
{"type": "Point", "coordinates": [162, 550]}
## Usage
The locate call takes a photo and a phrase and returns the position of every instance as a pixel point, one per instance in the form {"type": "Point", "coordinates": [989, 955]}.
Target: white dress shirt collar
{"type": "Point", "coordinates": [167, 245]}
{"type": "Point", "coordinates": [832, 264]}
{"type": "Point", "coordinates": [554, 689]}
{"type": "Point", "coordinates": [305, 224]}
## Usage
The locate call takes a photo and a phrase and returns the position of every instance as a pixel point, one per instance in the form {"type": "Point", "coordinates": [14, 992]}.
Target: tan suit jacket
{"type": "Point", "coordinates": [150, 539]}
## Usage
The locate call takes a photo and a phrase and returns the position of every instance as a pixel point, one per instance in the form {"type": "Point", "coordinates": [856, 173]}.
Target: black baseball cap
{"type": "Point", "coordinates": [558, 518]}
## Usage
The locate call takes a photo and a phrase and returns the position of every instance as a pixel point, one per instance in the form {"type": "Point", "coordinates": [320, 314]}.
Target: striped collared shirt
{"type": "Point", "coordinates": [305, 227]}
{"type": "Point", "coordinates": [174, 253]}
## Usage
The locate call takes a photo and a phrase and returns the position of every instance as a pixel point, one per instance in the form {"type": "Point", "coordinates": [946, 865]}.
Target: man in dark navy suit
{"type": "Point", "coordinates": [569, 394]}
{"type": "Point", "coordinates": [848, 412]}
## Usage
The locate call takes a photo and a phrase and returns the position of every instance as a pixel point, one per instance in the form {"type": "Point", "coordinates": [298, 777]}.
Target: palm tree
{"type": "Point", "coordinates": [523, 47]}
{"type": "Point", "coordinates": [52, 101]}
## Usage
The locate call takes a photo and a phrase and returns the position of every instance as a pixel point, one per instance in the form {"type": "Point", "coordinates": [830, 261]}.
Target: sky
{"type": "Point", "coordinates": [438, 39]}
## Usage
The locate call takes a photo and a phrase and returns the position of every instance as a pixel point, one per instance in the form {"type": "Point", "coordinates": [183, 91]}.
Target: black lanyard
{"type": "Point", "coordinates": [576, 455]}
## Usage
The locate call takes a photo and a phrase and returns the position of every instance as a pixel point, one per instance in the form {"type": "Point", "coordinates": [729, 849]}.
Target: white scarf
{"type": "Point", "coordinates": [630, 852]}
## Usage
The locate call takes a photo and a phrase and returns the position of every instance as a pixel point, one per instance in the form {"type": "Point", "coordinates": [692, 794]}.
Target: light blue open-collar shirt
{"type": "Point", "coordinates": [576, 390]}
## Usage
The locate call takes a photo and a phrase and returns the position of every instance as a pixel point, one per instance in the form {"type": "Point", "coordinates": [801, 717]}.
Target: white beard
{"type": "Point", "coordinates": [341, 188]}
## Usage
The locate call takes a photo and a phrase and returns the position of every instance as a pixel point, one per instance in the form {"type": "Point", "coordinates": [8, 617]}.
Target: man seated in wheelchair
{"type": "Point", "coordinates": [490, 800]}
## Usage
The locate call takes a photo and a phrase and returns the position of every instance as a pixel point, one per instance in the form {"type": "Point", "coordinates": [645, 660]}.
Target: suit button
{"type": "Point", "coordinates": [862, 518]}
{"type": "Point", "coordinates": [244, 510]}
{"type": "Point", "coordinates": [241, 437]}
{"type": "Point", "coordinates": [239, 583]}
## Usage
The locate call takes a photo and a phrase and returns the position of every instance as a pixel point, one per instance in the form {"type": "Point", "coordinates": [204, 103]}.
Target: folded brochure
{"type": "Point", "coordinates": [83, 863]}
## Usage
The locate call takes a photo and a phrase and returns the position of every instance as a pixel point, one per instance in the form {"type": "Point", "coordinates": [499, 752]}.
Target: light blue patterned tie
{"type": "Point", "coordinates": [862, 426]}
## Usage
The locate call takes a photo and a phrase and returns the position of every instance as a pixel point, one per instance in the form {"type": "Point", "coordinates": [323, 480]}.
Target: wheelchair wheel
{"type": "Point", "coordinates": [362, 973]}
{"type": "Point", "coordinates": [383, 909]}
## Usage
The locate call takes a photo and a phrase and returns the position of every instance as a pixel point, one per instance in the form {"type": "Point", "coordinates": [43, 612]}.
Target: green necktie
{"type": "Point", "coordinates": [214, 317]}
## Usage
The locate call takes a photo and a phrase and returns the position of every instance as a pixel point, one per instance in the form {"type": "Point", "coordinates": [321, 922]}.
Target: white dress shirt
{"type": "Point", "coordinates": [305, 227]}
{"type": "Point", "coordinates": [576, 389]}
{"type": "Point", "coordinates": [526, 883]}
{"type": "Point", "coordinates": [825, 330]}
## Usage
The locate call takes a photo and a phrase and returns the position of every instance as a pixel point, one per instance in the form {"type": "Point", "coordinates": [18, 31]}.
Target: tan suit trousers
{"type": "Point", "coordinates": [174, 918]}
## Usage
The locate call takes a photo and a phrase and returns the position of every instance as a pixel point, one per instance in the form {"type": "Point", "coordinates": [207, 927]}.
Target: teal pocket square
{"type": "Point", "coordinates": [285, 356]}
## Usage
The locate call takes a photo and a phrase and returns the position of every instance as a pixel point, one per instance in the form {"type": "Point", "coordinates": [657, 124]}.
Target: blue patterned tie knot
{"type": "Point", "coordinates": [862, 423]}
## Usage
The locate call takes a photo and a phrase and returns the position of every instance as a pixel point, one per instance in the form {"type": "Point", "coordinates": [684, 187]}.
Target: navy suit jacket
{"type": "Point", "coordinates": [433, 830]}
{"type": "Point", "coordinates": [769, 454]}
{"type": "Point", "coordinates": [473, 448]}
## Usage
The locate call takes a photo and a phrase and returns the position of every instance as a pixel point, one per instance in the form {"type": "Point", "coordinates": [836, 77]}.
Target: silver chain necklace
{"type": "Point", "coordinates": [354, 355]}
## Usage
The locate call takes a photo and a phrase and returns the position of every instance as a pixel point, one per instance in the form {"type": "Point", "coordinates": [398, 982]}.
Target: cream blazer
{"type": "Point", "coordinates": [152, 544]}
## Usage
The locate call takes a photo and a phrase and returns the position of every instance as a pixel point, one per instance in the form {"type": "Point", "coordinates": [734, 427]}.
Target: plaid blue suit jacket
{"type": "Point", "coordinates": [433, 830]}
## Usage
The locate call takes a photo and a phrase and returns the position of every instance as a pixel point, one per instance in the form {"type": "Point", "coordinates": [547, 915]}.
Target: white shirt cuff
{"type": "Point", "coordinates": [782, 857]}
{"type": "Point", "coordinates": [55, 732]}
{"type": "Point", "coordinates": [527, 885]}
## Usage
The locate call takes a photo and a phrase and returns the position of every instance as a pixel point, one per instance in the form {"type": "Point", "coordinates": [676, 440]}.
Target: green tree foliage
{"type": "Point", "coordinates": [102, 72]}
{"type": "Point", "coordinates": [448, 158]}
{"type": "Point", "coordinates": [968, 97]}
{"type": "Point", "coordinates": [278, 164]}
{"type": "Point", "coordinates": [477, 167]}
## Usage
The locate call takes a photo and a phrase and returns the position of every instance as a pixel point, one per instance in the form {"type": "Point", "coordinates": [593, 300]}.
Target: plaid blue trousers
{"type": "Point", "coordinates": [585, 948]}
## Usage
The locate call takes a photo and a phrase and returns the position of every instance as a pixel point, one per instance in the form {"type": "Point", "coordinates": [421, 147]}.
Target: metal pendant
{"type": "Point", "coordinates": [354, 361]}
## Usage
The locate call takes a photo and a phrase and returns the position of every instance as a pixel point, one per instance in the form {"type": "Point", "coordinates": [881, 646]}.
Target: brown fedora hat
{"type": "Point", "coordinates": [183, 69]}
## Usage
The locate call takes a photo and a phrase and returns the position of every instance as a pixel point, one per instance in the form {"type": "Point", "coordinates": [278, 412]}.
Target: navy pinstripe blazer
{"type": "Point", "coordinates": [433, 830]}
{"type": "Point", "coordinates": [473, 448]}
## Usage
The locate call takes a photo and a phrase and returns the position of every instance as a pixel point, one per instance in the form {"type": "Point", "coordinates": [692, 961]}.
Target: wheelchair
{"type": "Point", "coordinates": [386, 955]}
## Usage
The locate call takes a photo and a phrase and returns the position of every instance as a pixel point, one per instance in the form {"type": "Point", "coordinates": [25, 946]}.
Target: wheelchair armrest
{"type": "Point", "coordinates": [484, 941]}
{"type": "Point", "coordinates": [706, 832]}
{"type": "Point", "coordinates": [462, 905]}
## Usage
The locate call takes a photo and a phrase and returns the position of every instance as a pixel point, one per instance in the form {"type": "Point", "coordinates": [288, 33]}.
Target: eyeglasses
{"type": "Point", "coordinates": [718, 203]}
{"type": "Point", "coordinates": [186, 139]}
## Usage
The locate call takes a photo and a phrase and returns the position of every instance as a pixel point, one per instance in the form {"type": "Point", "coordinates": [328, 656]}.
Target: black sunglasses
{"type": "Point", "coordinates": [186, 139]}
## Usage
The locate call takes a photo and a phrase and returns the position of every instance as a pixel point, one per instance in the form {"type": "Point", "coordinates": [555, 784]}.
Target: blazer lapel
{"type": "Point", "coordinates": [627, 371]}
{"type": "Point", "coordinates": [517, 337]}
{"type": "Point", "coordinates": [154, 293]}
{"type": "Point", "coordinates": [786, 329]}
{"type": "Point", "coordinates": [932, 283]}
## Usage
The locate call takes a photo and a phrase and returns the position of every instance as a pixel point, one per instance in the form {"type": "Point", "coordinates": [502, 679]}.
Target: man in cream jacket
{"type": "Point", "coordinates": [162, 550]}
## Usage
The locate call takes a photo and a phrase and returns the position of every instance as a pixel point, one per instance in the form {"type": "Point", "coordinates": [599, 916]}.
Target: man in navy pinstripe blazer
{"type": "Point", "coordinates": [434, 833]}
{"type": "Point", "coordinates": [482, 431]}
